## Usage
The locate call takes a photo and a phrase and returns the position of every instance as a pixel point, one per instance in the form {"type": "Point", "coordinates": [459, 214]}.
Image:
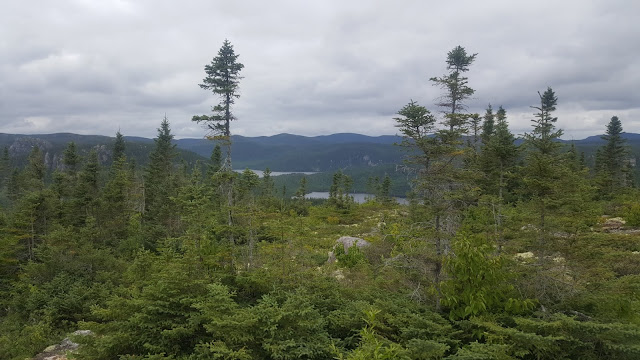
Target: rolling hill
{"type": "Point", "coordinates": [282, 152]}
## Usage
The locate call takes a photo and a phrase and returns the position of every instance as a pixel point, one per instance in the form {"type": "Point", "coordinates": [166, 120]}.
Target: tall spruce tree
{"type": "Point", "coordinates": [544, 134]}
{"type": "Point", "coordinates": [118, 147]}
{"type": "Point", "coordinates": [613, 159]}
{"type": "Point", "coordinates": [70, 158]}
{"type": "Point", "coordinates": [223, 78]}
{"type": "Point", "coordinates": [498, 156]}
{"type": "Point", "coordinates": [557, 195]}
{"type": "Point", "coordinates": [87, 191]}
{"type": "Point", "coordinates": [159, 185]}
{"type": "Point", "coordinates": [116, 204]}
{"type": "Point", "coordinates": [488, 124]}
{"type": "Point", "coordinates": [455, 87]}
{"type": "Point", "coordinates": [542, 171]}
{"type": "Point", "coordinates": [35, 170]}
{"type": "Point", "coordinates": [497, 163]}
{"type": "Point", "coordinates": [443, 183]}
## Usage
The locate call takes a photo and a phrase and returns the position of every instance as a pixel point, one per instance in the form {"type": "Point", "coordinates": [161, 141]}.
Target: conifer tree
{"type": "Point", "coordinates": [35, 170]}
{"type": "Point", "coordinates": [339, 191]}
{"type": "Point", "coordinates": [443, 185]}
{"type": "Point", "coordinates": [116, 208]}
{"type": "Point", "coordinates": [87, 190]}
{"type": "Point", "coordinates": [71, 159]}
{"type": "Point", "coordinates": [544, 134]}
{"type": "Point", "coordinates": [574, 160]}
{"type": "Point", "coordinates": [455, 87]}
{"type": "Point", "coordinates": [268, 187]}
{"type": "Point", "coordinates": [5, 168]}
{"type": "Point", "coordinates": [542, 172]}
{"type": "Point", "coordinates": [302, 189]}
{"type": "Point", "coordinates": [475, 137]}
{"type": "Point", "coordinates": [612, 160]}
{"type": "Point", "coordinates": [487, 125]}
{"type": "Point", "coordinates": [223, 78]}
{"type": "Point", "coordinates": [555, 191]}
{"type": "Point", "coordinates": [159, 185]}
{"type": "Point", "coordinates": [417, 124]}
{"type": "Point", "coordinates": [385, 189]}
{"type": "Point", "coordinates": [496, 163]}
{"type": "Point", "coordinates": [34, 205]}
{"type": "Point", "coordinates": [118, 147]}
{"type": "Point", "coordinates": [215, 163]}
{"type": "Point", "coordinates": [14, 185]}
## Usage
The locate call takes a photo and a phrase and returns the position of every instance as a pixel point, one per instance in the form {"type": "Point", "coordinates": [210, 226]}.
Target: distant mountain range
{"type": "Point", "coordinates": [282, 152]}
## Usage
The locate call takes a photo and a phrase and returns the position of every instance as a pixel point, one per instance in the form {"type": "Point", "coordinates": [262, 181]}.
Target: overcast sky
{"type": "Point", "coordinates": [311, 67]}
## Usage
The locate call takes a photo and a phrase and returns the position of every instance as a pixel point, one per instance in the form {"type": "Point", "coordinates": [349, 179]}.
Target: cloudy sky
{"type": "Point", "coordinates": [311, 67]}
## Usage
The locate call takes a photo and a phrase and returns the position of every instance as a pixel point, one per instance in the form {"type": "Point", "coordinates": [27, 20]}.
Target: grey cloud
{"type": "Point", "coordinates": [310, 67]}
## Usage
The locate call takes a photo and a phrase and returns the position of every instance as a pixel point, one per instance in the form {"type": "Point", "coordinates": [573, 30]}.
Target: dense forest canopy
{"type": "Point", "coordinates": [508, 249]}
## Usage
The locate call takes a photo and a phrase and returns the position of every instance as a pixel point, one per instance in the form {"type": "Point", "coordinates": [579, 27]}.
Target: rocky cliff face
{"type": "Point", "coordinates": [22, 146]}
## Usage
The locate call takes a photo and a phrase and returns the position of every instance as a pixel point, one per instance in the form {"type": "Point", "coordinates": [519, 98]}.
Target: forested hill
{"type": "Point", "coordinates": [282, 152]}
{"type": "Point", "coordinates": [286, 152]}
{"type": "Point", "coordinates": [53, 146]}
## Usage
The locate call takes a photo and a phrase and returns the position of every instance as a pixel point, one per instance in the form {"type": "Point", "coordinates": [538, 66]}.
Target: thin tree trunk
{"type": "Point", "coordinates": [499, 218]}
{"type": "Point", "coordinates": [543, 232]}
{"type": "Point", "coordinates": [438, 265]}
{"type": "Point", "coordinates": [32, 239]}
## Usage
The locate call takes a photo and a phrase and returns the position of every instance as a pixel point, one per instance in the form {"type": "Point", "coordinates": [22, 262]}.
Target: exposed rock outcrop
{"type": "Point", "coordinates": [613, 224]}
{"type": "Point", "coordinates": [24, 145]}
{"type": "Point", "coordinates": [347, 242]}
{"type": "Point", "coordinates": [60, 351]}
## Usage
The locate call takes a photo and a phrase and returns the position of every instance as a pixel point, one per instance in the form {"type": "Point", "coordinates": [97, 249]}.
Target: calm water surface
{"type": "Point", "coordinates": [358, 197]}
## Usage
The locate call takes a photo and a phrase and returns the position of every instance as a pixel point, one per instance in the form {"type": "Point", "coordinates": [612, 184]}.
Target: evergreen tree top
{"type": "Point", "coordinates": [164, 132]}
{"type": "Point", "coordinates": [118, 147]}
{"type": "Point", "coordinates": [614, 129]}
{"type": "Point", "coordinates": [223, 72]}
{"type": "Point", "coordinates": [70, 157]}
{"type": "Point", "coordinates": [458, 60]}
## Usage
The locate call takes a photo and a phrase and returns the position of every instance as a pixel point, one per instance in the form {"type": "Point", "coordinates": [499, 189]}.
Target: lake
{"type": "Point", "coordinates": [276, 173]}
{"type": "Point", "coordinates": [358, 197]}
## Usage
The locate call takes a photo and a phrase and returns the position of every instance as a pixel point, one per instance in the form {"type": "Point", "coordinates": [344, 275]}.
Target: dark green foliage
{"type": "Point", "coordinates": [118, 147]}
{"type": "Point", "coordinates": [613, 170]}
{"type": "Point", "coordinates": [215, 162]}
{"type": "Point", "coordinates": [339, 191]}
{"type": "Point", "coordinates": [33, 177]}
{"type": "Point", "coordinates": [455, 87]}
{"type": "Point", "coordinates": [70, 158]}
{"type": "Point", "coordinates": [544, 134]}
{"type": "Point", "coordinates": [117, 203]}
{"type": "Point", "coordinates": [87, 190]}
{"type": "Point", "coordinates": [223, 79]}
{"type": "Point", "coordinates": [300, 203]}
{"type": "Point", "coordinates": [498, 157]}
{"type": "Point", "coordinates": [488, 125]}
{"type": "Point", "coordinates": [478, 283]}
{"type": "Point", "coordinates": [380, 190]}
{"type": "Point", "coordinates": [159, 187]}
